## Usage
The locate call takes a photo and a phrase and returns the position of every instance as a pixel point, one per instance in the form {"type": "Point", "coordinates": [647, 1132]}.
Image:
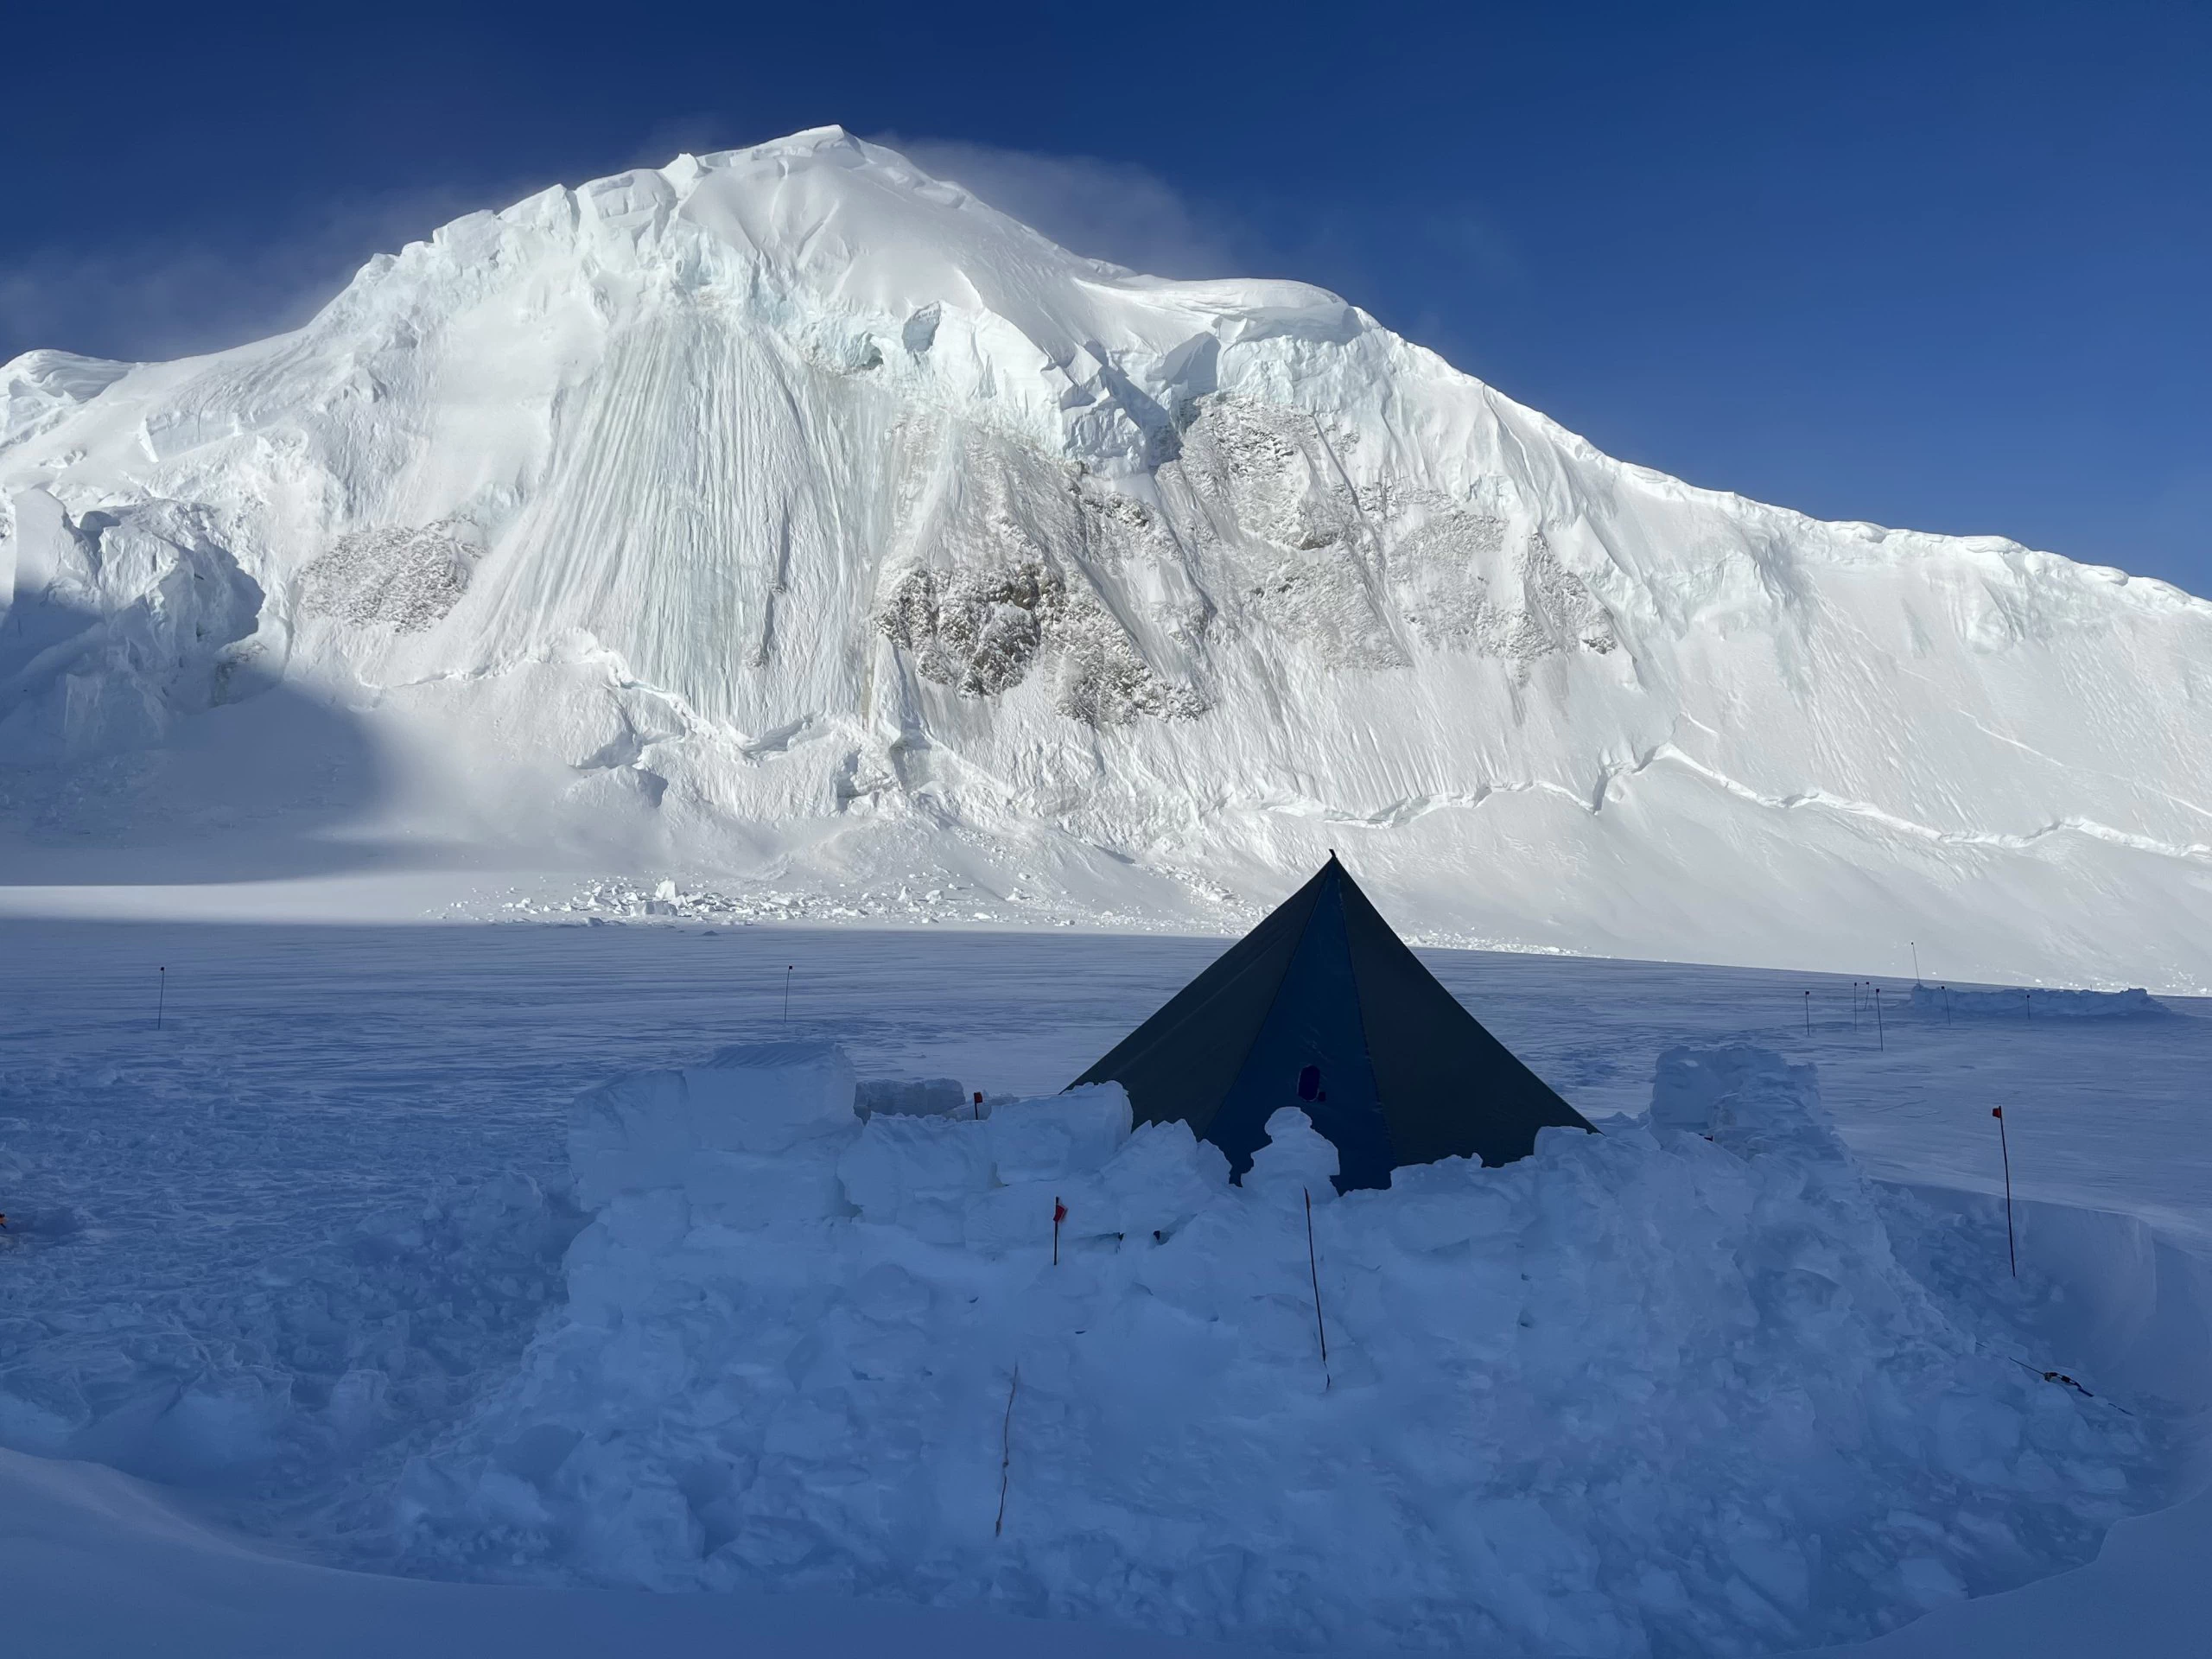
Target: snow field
{"type": "Point", "coordinates": [1647, 1392]}
{"type": "Point", "coordinates": [319, 1088]}
{"type": "Point", "coordinates": [292, 1388]}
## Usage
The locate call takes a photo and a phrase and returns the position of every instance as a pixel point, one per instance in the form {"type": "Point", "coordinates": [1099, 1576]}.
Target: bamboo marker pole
{"type": "Point", "coordinates": [161, 997]}
{"type": "Point", "coordinates": [1006, 1454]}
{"type": "Point", "coordinates": [1881, 1039]}
{"type": "Point", "coordinates": [787, 999]}
{"type": "Point", "coordinates": [2011, 1245]}
{"type": "Point", "coordinates": [1314, 1264]}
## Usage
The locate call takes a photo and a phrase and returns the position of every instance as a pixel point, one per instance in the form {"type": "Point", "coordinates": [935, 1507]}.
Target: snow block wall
{"type": "Point", "coordinates": [1644, 1392]}
{"type": "Point", "coordinates": [2019, 1002]}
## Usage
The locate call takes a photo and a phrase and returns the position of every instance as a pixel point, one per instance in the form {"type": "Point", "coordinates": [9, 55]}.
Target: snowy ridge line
{"type": "Point", "coordinates": [2110, 777]}
{"type": "Point", "coordinates": [2002, 550]}
{"type": "Point", "coordinates": [1396, 812]}
{"type": "Point", "coordinates": [1907, 826]}
{"type": "Point", "coordinates": [1405, 811]}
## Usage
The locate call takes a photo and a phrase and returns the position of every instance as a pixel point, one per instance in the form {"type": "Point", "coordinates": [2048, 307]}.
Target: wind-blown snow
{"type": "Point", "coordinates": [788, 513]}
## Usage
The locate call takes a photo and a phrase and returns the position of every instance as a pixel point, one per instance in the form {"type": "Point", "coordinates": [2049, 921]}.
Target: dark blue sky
{"type": "Point", "coordinates": [1940, 266]}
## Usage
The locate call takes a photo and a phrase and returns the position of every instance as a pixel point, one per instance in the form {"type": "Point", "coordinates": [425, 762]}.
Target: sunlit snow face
{"type": "Point", "coordinates": [713, 516]}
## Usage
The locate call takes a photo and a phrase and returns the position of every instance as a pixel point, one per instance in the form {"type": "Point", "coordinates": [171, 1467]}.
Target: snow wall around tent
{"type": "Point", "coordinates": [1667, 1389]}
{"type": "Point", "coordinates": [2020, 1002]}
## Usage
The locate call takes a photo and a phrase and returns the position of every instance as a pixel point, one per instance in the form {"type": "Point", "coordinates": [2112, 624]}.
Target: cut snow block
{"type": "Point", "coordinates": [912, 1097]}
{"type": "Point", "coordinates": [1163, 1175]}
{"type": "Point", "coordinates": [1057, 1136]}
{"type": "Point", "coordinates": [710, 1130]}
{"type": "Point", "coordinates": [1443, 1205]}
{"type": "Point", "coordinates": [1013, 1217]}
{"type": "Point", "coordinates": [769, 1096]}
{"type": "Point", "coordinates": [1298, 1162]}
{"type": "Point", "coordinates": [899, 1165]}
{"type": "Point", "coordinates": [1747, 1098]}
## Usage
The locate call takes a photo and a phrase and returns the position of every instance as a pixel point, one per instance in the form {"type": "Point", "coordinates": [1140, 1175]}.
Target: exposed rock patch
{"type": "Point", "coordinates": [981, 632]}
{"type": "Point", "coordinates": [407, 577]}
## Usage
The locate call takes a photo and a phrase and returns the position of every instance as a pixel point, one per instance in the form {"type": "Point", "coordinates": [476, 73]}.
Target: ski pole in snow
{"type": "Point", "coordinates": [1059, 1215]}
{"type": "Point", "coordinates": [2012, 1248]}
{"type": "Point", "coordinates": [1006, 1453]}
{"type": "Point", "coordinates": [161, 997]}
{"type": "Point", "coordinates": [1313, 1263]}
{"type": "Point", "coordinates": [1880, 1039]}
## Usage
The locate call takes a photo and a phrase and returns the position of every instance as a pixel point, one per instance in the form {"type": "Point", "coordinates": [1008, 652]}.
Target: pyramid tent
{"type": "Point", "coordinates": [1323, 1007]}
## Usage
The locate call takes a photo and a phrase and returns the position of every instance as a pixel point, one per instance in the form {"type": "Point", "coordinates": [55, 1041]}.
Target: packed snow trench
{"type": "Point", "coordinates": [408, 1250]}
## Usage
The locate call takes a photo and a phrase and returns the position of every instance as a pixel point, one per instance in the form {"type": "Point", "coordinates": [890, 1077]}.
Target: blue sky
{"type": "Point", "coordinates": [1940, 266]}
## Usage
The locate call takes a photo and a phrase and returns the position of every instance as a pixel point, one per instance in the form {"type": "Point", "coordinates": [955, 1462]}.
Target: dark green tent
{"type": "Point", "coordinates": [1323, 1007]}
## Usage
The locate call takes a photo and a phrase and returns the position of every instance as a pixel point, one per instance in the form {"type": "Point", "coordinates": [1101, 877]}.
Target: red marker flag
{"type": "Point", "coordinates": [1996, 1111]}
{"type": "Point", "coordinates": [1059, 1212]}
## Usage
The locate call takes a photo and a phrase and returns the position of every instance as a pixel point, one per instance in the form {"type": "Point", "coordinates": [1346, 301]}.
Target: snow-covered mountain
{"type": "Point", "coordinates": [789, 513]}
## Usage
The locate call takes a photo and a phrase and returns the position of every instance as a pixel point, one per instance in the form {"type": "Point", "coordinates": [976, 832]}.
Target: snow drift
{"type": "Point", "coordinates": [1661, 1390]}
{"type": "Point", "coordinates": [787, 512]}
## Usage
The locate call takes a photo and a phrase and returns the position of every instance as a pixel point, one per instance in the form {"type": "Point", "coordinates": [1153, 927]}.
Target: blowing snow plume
{"type": "Point", "coordinates": [790, 510]}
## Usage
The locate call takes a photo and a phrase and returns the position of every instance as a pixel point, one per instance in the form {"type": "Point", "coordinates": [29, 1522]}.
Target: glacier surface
{"type": "Point", "coordinates": [320, 1227]}
{"type": "Point", "coordinates": [789, 516]}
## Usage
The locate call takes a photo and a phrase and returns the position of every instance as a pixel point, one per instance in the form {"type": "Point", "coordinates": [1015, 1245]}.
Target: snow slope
{"type": "Point", "coordinates": [787, 514]}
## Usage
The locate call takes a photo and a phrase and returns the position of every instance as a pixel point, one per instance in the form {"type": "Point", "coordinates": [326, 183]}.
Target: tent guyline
{"type": "Point", "coordinates": [1323, 1007]}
